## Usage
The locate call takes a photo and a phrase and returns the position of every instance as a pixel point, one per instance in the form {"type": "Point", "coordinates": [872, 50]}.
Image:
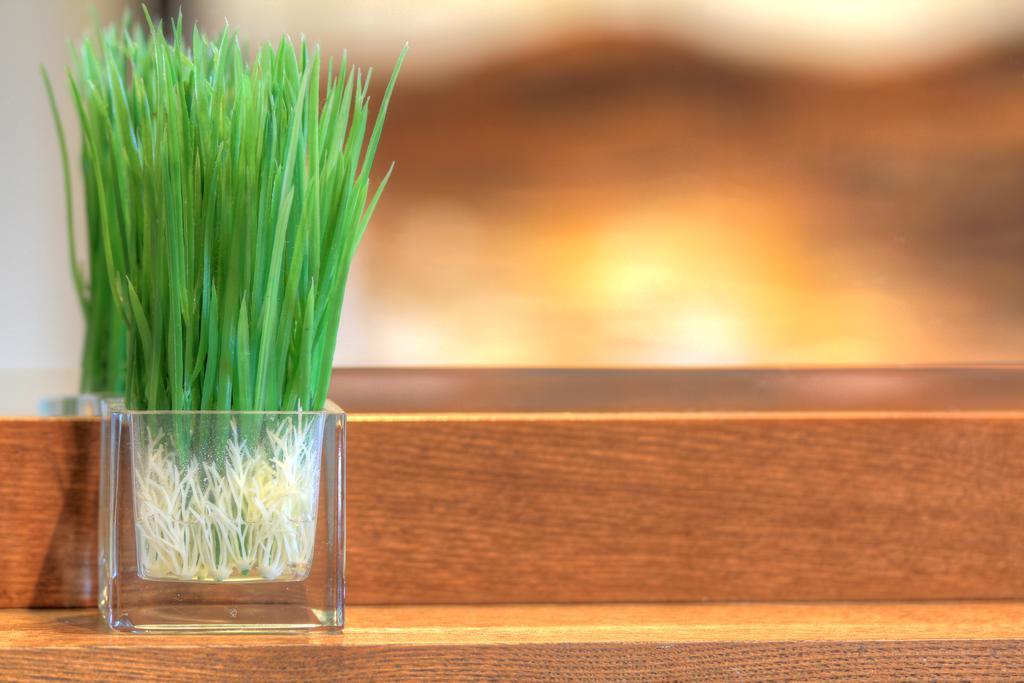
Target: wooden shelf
{"type": "Point", "coordinates": [614, 642]}
{"type": "Point", "coordinates": [674, 390]}
{"type": "Point", "coordinates": [650, 513]}
{"type": "Point", "coordinates": [624, 507]}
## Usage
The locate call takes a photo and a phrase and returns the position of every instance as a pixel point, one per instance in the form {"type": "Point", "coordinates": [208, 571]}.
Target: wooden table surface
{"type": "Point", "coordinates": [969, 640]}
{"type": "Point", "coordinates": [587, 543]}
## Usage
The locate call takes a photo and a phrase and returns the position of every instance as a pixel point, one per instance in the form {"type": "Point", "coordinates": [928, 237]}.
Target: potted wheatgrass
{"type": "Point", "coordinates": [230, 196]}
{"type": "Point", "coordinates": [103, 350]}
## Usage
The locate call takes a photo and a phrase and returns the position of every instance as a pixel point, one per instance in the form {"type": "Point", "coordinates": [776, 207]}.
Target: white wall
{"type": "Point", "coordinates": [40, 323]}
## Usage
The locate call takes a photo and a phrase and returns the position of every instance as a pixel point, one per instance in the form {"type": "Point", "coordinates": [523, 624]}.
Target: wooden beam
{"type": "Point", "coordinates": [677, 390]}
{"type": "Point", "coordinates": [505, 508]}
{"type": "Point", "coordinates": [598, 508]}
{"type": "Point", "coordinates": [968, 641]}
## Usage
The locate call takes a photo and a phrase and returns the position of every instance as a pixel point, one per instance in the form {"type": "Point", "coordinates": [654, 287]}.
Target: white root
{"type": "Point", "coordinates": [249, 515]}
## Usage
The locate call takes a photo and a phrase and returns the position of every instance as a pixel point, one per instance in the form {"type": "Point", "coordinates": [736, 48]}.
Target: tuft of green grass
{"type": "Point", "coordinates": [103, 352]}
{"type": "Point", "coordinates": [229, 195]}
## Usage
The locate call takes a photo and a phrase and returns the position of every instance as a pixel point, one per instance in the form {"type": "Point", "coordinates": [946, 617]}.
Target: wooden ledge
{"type": "Point", "coordinates": [579, 508]}
{"type": "Point", "coordinates": [974, 640]}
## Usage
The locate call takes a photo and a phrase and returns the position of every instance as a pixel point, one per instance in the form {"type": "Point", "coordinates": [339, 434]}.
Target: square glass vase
{"type": "Point", "coordinates": [77, 405]}
{"type": "Point", "coordinates": [222, 521]}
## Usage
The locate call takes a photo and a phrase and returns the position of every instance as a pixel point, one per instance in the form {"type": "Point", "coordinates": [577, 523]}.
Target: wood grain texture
{"type": "Point", "coordinates": [685, 507]}
{"type": "Point", "coordinates": [49, 475]}
{"type": "Point", "coordinates": [470, 509]}
{"type": "Point", "coordinates": [975, 641]}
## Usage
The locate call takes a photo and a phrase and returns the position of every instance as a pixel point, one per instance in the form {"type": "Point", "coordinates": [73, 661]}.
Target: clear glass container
{"type": "Point", "coordinates": [77, 405]}
{"type": "Point", "coordinates": [222, 521]}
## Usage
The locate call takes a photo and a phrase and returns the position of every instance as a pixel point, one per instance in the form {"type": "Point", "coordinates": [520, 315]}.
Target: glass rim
{"type": "Point", "coordinates": [330, 408]}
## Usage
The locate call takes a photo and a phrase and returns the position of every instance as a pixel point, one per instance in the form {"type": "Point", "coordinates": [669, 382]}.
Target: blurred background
{"type": "Point", "coordinates": [609, 184]}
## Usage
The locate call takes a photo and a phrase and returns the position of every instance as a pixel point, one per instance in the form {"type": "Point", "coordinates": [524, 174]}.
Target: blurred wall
{"type": "Point", "coordinates": [725, 182]}
{"type": "Point", "coordinates": [41, 325]}
{"type": "Point", "coordinates": [856, 38]}
{"type": "Point", "coordinates": [608, 183]}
